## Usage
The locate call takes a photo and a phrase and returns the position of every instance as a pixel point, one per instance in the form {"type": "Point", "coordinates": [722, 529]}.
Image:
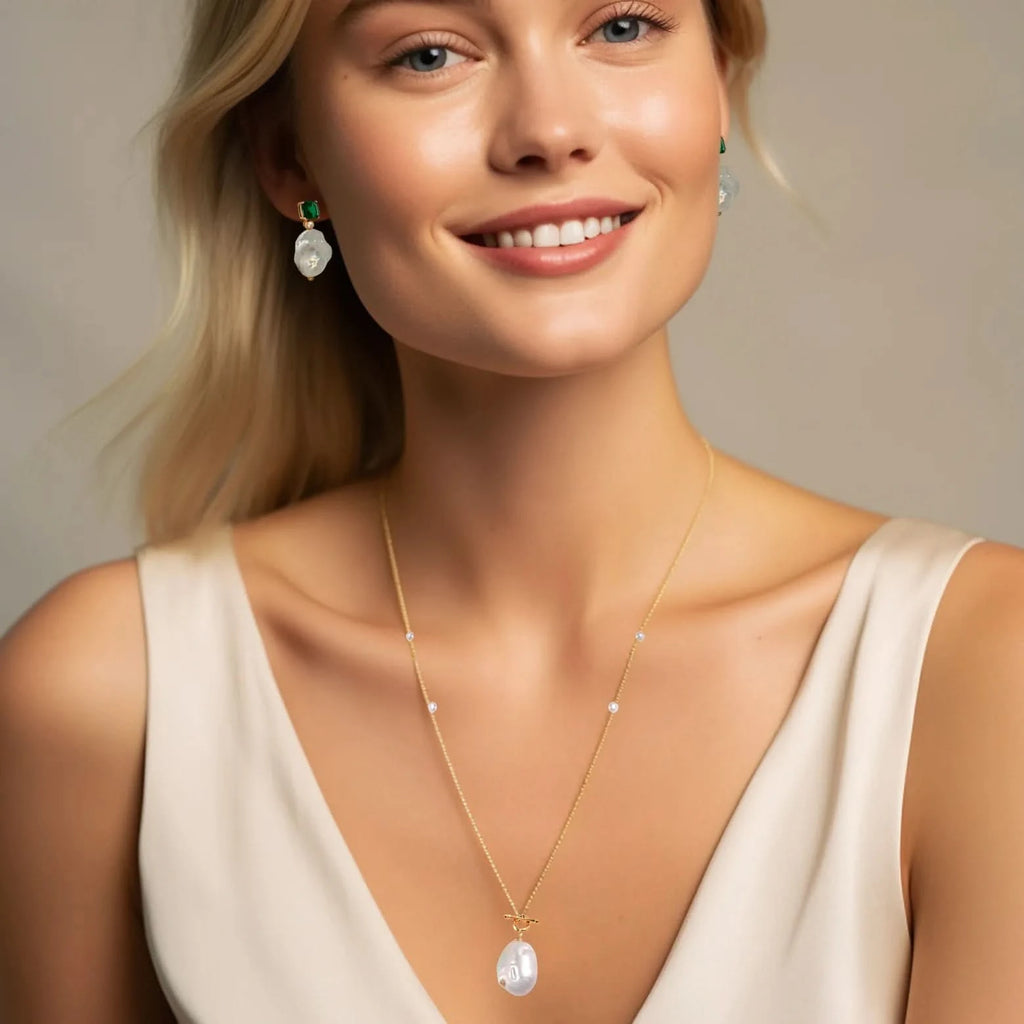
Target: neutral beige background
{"type": "Point", "coordinates": [881, 364]}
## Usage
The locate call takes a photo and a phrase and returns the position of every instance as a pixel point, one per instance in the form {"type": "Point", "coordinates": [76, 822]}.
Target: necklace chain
{"type": "Point", "coordinates": [519, 921]}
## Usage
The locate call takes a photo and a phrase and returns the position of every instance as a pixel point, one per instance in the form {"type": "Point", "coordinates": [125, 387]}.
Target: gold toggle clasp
{"type": "Point", "coordinates": [517, 922]}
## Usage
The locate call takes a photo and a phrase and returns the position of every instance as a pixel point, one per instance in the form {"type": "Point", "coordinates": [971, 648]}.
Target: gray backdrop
{"type": "Point", "coordinates": [878, 361]}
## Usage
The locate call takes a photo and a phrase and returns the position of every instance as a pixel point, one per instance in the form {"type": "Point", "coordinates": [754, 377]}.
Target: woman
{"type": "Point", "coordinates": [507, 697]}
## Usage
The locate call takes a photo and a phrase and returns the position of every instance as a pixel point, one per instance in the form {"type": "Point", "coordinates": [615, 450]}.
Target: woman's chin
{"type": "Point", "coordinates": [541, 353]}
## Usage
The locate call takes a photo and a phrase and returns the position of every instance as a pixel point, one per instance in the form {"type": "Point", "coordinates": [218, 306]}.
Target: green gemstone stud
{"type": "Point", "coordinates": [309, 210]}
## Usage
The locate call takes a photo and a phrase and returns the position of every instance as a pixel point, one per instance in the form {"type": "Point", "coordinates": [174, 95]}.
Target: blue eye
{"type": "Point", "coordinates": [623, 30]}
{"type": "Point", "coordinates": [633, 28]}
{"type": "Point", "coordinates": [427, 59]}
{"type": "Point", "coordinates": [434, 55]}
{"type": "Point", "coordinates": [432, 59]}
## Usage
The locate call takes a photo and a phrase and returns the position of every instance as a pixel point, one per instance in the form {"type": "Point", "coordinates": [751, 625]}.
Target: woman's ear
{"type": "Point", "coordinates": [276, 153]}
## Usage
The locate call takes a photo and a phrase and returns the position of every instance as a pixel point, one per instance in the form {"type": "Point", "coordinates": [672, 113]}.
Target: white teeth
{"type": "Point", "coordinates": [550, 236]}
{"type": "Point", "coordinates": [572, 233]}
{"type": "Point", "coordinates": [547, 236]}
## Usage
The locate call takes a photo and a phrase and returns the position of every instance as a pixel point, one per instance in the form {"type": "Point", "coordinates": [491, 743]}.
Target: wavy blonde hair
{"type": "Point", "coordinates": [278, 390]}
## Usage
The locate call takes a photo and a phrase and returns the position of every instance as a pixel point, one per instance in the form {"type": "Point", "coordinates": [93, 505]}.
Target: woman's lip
{"type": "Point", "coordinates": [529, 217]}
{"type": "Point", "coordinates": [555, 261]}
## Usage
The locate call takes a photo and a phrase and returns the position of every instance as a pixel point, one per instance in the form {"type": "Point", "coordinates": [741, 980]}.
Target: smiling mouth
{"type": "Point", "coordinates": [550, 236]}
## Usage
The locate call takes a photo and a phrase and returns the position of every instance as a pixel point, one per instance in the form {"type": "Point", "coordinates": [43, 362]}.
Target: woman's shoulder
{"type": "Point", "coordinates": [72, 733]}
{"type": "Point", "coordinates": [973, 665]}
{"type": "Point", "coordinates": [963, 796]}
{"type": "Point", "coordinates": [73, 667]}
{"type": "Point", "coordinates": [83, 637]}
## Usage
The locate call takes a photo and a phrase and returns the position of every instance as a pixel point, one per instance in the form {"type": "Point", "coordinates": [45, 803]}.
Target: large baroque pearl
{"type": "Point", "coordinates": [517, 968]}
{"type": "Point", "coordinates": [312, 253]}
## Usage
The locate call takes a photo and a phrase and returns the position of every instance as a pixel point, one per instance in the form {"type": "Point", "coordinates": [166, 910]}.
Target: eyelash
{"type": "Point", "coordinates": [632, 10]}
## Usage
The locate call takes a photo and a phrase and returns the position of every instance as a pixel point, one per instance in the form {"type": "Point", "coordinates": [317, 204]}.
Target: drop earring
{"type": "Point", "coordinates": [728, 186]}
{"type": "Point", "coordinates": [312, 251]}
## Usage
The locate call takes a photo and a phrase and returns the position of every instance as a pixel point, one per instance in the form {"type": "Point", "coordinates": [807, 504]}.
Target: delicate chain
{"type": "Point", "coordinates": [520, 922]}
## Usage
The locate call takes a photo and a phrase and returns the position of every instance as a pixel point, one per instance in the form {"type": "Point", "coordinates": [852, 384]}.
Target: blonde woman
{"type": "Point", "coordinates": [460, 678]}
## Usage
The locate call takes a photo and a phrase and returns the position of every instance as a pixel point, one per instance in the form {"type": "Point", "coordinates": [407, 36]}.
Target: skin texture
{"type": "Point", "coordinates": [549, 474]}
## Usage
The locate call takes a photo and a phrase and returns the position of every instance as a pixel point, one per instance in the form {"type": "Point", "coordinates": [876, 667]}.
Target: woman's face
{"type": "Point", "coordinates": [419, 121]}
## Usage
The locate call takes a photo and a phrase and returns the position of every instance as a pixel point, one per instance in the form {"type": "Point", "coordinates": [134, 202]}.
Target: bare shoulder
{"type": "Point", "coordinates": [75, 660]}
{"type": "Point", "coordinates": [72, 735]}
{"type": "Point", "coordinates": [967, 881]}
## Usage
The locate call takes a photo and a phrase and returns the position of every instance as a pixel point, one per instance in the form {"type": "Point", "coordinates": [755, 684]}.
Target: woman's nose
{"type": "Point", "coordinates": [547, 116]}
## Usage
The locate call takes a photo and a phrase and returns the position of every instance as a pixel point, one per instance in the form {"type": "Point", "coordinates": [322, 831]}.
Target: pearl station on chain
{"type": "Point", "coordinates": [613, 706]}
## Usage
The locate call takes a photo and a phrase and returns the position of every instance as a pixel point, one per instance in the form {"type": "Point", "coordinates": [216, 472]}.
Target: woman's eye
{"type": "Point", "coordinates": [624, 30]}
{"type": "Point", "coordinates": [433, 56]}
{"type": "Point", "coordinates": [426, 59]}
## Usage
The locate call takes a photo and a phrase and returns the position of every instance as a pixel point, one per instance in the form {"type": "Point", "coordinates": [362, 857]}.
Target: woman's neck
{"type": "Point", "coordinates": [547, 499]}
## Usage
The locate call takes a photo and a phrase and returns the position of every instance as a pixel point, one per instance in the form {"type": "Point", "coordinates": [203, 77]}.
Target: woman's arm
{"type": "Point", "coordinates": [967, 862]}
{"type": "Point", "coordinates": [72, 732]}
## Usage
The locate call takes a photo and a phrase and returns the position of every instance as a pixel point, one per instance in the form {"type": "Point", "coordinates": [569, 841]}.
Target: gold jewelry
{"type": "Point", "coordinates": [517, 964]}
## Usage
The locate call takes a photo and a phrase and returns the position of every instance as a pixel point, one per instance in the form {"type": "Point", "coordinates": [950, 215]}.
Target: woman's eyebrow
{"type": "Point", "coordinates": [356, 9]}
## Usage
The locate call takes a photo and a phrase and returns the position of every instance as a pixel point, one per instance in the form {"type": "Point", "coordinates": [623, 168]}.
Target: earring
{"type": "Point", "coordinates": [728, 186]}
{"type": "Point", "coordinates": [312, 251]}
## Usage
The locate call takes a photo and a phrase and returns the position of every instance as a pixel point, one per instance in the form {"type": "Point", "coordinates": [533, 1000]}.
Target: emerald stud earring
{"type": "Point", "coordinates": [728, 186]}
{"type": "Point", "coordinates": [312, 251]}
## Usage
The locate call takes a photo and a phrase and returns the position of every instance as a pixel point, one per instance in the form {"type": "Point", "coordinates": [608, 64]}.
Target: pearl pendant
{"type": "Point", "coordinates": [312, 253]}
{"type": "Point", "coordinates": [517, 968]}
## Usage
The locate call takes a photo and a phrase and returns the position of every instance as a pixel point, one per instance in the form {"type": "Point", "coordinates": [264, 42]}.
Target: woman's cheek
{"type": "Point", "coordinates": [669, 123]}
{"type": "Point", "coordinates": [407, 175]}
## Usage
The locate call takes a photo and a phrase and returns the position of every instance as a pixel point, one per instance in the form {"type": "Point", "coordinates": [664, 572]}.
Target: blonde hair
{"type": "Point", "coordinates": [280, 389]}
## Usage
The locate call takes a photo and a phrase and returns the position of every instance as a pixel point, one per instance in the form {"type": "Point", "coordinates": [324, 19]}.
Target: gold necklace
{"type": "Point", "coordinates": [517, 964]}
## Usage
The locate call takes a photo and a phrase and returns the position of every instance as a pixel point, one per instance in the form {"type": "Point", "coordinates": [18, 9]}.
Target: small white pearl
{"type": "Point", "coordinates": [613, 707]}
{"type": "Point", "coordinates": [432, 706]}
{"type": "Point", "coordinates": [641, 637]}
{"type": "Point", "coordinates": [410, 635]}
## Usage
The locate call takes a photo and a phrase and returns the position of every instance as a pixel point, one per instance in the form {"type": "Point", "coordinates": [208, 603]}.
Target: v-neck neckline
{"type": "Point", "coordinates": [319, 814]}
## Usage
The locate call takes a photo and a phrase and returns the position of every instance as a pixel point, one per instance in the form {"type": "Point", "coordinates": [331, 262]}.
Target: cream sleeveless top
{"type": "Point", "coordinates": [256, 912]}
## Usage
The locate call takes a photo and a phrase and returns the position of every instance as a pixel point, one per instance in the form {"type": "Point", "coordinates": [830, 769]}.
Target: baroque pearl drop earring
{"type": "Point", "coordinates": [312, 251]}
{"type": "Point", "coordinates": [728, 186]}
